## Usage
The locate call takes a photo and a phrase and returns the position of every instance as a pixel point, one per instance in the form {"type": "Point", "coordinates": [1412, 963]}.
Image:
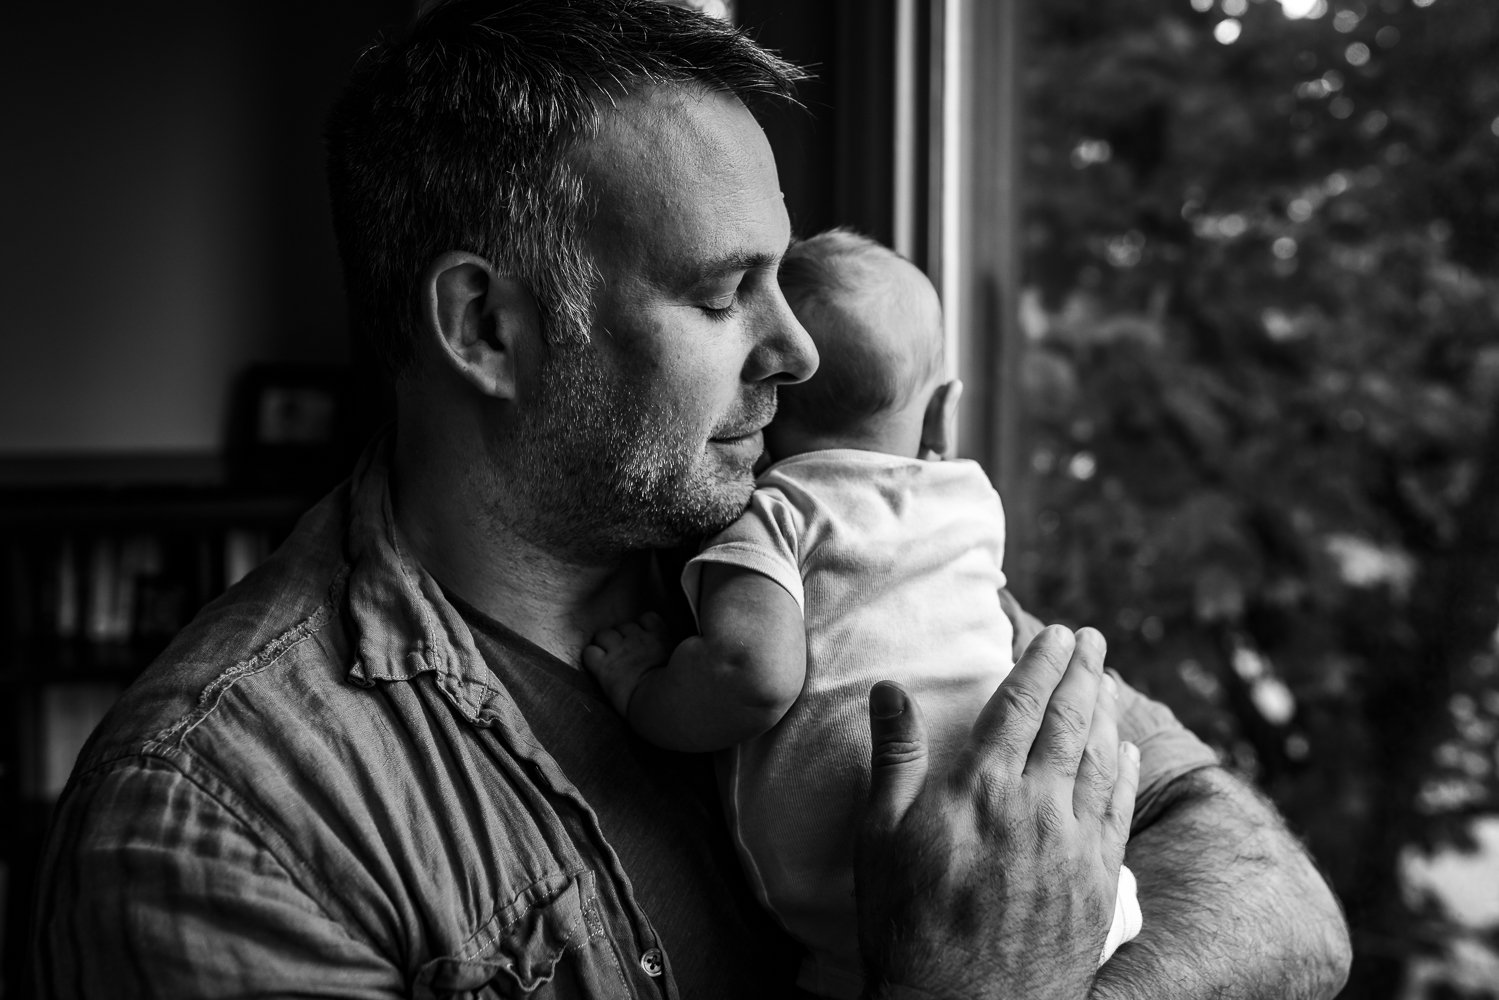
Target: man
{"type": "Point", "coordinates": [374, 769]}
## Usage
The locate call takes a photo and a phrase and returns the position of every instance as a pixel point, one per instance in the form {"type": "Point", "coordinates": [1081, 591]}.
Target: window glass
{"type": "Point", "coordinates": [1261, 304]}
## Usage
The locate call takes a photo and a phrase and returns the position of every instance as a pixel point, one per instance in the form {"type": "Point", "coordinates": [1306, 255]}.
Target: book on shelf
{"type": "Point", "coordinates": [117, 588]}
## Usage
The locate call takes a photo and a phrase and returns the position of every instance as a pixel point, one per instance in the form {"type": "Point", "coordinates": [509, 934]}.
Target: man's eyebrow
{"type": "Point", "coordinates": [739, 261]}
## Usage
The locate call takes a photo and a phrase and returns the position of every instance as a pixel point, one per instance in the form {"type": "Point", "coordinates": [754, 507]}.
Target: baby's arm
{"type": "Point", "coordinates": [733, 681]}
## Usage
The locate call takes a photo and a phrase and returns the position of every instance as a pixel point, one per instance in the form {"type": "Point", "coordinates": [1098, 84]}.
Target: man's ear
{"type": "Point", "coordinates": [479, 319]}
{"type": "Point", "coordinates": [939, 425]}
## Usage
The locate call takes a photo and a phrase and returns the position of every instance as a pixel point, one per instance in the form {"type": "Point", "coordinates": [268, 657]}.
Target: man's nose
{"type": "Point", "coordinates": [784, 352]}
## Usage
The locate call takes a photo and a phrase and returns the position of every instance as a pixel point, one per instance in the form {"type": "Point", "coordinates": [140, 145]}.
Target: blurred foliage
{"type": "Point", "coordinates": [1263, 303]}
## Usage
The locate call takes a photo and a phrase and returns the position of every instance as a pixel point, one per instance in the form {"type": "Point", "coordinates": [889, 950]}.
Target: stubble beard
{"type": "Point", "coordinates": [607, 470]}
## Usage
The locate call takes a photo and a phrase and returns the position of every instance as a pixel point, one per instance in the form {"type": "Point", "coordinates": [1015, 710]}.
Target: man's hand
{"type": "Point", "coordinates": [997, 878]}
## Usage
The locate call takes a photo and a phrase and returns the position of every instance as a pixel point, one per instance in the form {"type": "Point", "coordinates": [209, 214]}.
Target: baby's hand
{"type": "Point", "coordinates": [618, 656]}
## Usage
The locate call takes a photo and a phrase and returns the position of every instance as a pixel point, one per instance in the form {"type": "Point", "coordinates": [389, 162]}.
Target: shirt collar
{"type": "Point", "coordinates": [403, 625]}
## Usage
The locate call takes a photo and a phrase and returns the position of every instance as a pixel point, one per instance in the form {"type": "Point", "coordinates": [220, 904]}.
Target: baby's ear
{"type": "Point", "coordinates": [939, 425]}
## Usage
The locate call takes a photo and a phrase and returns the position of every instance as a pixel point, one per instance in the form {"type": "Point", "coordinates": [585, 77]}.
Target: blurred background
{"type": "Point", "coordinates": [1221, 279]}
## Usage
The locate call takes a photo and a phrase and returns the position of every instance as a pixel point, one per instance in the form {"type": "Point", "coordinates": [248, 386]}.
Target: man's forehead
{"type": "Point", "coordinates": [657, 137]}
{"type": "Point", "coordinates": [686, 170]}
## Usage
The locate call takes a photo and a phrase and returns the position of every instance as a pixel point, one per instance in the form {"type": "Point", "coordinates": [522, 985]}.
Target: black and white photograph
{"type": "Point", "coordinates": [847, 499]}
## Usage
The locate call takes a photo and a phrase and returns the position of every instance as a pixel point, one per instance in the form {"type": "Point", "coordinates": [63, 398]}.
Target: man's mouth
{"type": "Point", "coordinates": [734, 438]}
{"type": "Point", "coordinates": [753, 419]}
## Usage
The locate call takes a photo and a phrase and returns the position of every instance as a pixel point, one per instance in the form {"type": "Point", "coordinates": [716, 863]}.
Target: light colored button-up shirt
{"type": "Point", "coordinates": [322, 790]}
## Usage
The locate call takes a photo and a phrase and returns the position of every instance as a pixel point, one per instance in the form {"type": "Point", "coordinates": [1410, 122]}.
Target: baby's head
{"type": "Point", "coordinates": [877, 324]}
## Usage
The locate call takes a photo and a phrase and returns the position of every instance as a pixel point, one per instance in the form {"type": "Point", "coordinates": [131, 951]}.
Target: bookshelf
{"type": "Point", "coordinates": [102, 560]}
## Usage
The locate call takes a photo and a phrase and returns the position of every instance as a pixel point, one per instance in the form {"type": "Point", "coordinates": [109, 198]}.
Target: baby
{"type": "Point", "coordinates": [859, 559]}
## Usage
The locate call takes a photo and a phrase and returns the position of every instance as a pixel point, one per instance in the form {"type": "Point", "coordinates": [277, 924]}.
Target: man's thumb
{"type": "Point", "coordinates": [899, 756]}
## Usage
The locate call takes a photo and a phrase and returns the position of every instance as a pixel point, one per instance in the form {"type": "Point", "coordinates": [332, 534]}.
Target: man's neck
{"type": "Point", "coordinates": [557, 602]}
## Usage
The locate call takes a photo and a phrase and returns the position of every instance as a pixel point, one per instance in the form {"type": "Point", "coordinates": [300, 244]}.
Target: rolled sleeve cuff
{"type": "Point", "coordinates": [1168, 749]}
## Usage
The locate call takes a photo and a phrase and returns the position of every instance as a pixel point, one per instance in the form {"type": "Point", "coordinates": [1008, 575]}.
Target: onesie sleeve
{"type": "Point", "coordinates": [763, 540]}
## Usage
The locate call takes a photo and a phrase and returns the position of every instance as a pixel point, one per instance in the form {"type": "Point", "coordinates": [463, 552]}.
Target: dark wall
{"type": "Point", "coordinates": [803, 138]}
{"type": "Point", "coordinates": [836, 155]}
{"type": "Point", "coordinates": [163, 220]}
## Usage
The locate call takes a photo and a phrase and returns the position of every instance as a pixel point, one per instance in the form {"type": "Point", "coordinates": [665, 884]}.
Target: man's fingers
{"type": "Point", "coordinates": [899, 755]}
{"type": "Point", "coordinates": [1058, 748]}
{"type": "Point", "coordinates": [1121, 811]}
{"type": "Point", "coordinates": [1007, 726]}
{"type": "Point", "coordinates": [1096, 772]}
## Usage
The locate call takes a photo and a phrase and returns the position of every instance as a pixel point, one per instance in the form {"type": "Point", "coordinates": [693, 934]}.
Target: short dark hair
{"type": "Point", "coordinates": [457, 136]}
{"type": "Point", "coordinates": [857, 378]}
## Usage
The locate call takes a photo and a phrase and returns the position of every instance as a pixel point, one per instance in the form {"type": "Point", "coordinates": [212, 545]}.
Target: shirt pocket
{"type": "Point", "coordinates": [550, 942]}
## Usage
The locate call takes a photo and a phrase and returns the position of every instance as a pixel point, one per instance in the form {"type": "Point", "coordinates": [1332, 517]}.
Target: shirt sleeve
{"type": "Point", "coordinates": [152, 886]}
{"type": "Point", "coordinates": [763, 540]}
{"type": "Point", "coordinates": [1168, 749]}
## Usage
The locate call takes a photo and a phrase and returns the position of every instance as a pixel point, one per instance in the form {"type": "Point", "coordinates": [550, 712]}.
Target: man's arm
{"type": "Point", "coordinates": [732, 682]}
{"type": "Point", "coordinates": [152, 886]}
{"type": "Point", "coordinates": [1233, 905]}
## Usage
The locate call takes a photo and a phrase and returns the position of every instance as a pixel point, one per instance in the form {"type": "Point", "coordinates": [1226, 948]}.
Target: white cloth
{"type": "Point", "coordinates": [1127, 918]}
{"type": "Point", "coordinates": [896, 564]}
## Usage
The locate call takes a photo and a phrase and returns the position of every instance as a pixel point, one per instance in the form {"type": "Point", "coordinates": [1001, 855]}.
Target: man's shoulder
{"type": "Point", "coordinates": [282, 626]}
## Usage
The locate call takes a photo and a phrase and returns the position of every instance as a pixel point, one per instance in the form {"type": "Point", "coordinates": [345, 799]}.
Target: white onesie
{"type": "Point", "coordinates": [895, 563]}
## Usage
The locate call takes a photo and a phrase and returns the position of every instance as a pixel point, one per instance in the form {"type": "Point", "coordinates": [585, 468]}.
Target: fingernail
{"type": "Point", "coordinates": [1130, 750]}
{"type": "Point", "coordinates": [885, 701]}
{"type": "Point", "coordinates": [1110, 685]}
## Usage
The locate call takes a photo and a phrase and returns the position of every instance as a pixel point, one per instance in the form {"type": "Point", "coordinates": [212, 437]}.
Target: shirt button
{"type": "Point", "coordinates": [653, 962]}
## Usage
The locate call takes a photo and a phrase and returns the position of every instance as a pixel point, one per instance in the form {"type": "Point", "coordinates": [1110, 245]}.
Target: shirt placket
{"type": "Point", "coordinates": [638, 946]}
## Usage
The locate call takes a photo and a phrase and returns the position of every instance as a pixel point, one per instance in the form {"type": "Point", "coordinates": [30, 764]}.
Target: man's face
{"type": "Point", "coordinates": [648, 434]}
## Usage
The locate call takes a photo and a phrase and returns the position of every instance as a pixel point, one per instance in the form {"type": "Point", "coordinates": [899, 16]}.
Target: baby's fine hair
{"type": "Point", "coordinates": [840, 286]}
